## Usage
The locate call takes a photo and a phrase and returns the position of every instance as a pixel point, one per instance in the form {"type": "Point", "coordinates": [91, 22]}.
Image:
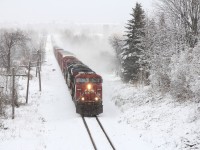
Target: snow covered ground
{"type": "Point", "coordinates": [159, 120]}
{"type": "Point", "coordinates": [49, 120]}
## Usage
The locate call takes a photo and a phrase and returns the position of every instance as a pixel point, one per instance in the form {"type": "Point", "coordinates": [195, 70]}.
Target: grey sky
{"type": "Point", "coordinates": [82, 11]}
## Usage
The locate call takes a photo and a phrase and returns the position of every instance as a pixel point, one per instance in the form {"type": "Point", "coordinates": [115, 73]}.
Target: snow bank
{"type": "Point", "coordinates": [159, 120]}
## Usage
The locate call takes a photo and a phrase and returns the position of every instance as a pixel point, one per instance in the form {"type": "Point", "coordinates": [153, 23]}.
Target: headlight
{"type": "Point", "coordinates": [82, 98]}
{"type": "Point", "coordinates": [89, 86]}
{"type": "Point", "coordinates": [96, 99]}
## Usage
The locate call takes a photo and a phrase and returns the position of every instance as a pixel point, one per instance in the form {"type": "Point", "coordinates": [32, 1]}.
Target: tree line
{"type": "Point", "coordinates": [162, 51]}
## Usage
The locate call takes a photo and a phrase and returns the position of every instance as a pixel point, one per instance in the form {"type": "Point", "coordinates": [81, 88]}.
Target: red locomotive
{"type": "Point", "coordinates": [84, 84]}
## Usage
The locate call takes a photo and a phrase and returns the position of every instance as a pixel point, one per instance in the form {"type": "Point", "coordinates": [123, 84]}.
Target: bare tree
{"type": "Point", "coordinates": [11, 41]}
{"type": "Point", "coordinates": [186, 13]}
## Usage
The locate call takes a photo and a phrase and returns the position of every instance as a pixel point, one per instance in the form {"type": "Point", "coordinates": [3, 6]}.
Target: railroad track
{"type": "Point", "coordinates": [94, 132]}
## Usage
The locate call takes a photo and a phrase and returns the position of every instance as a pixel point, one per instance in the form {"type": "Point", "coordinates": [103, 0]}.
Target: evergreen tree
{"type": "Point", "coordinates": [133, 50]}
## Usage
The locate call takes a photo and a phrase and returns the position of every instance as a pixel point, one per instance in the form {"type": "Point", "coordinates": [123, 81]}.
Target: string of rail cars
{"type": "Point", "coordinates": [84, 84]}
{"type": "Point", "coordinates": [85, 87]}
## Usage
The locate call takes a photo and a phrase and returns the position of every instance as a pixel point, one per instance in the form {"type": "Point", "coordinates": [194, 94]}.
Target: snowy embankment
{"type": "Point", "coordinates": [49, 120]}
{"type": "Point", "coordinates": [158, 119]}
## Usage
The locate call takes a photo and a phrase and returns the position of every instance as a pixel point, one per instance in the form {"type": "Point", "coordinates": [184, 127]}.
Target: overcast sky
{"type": "Point", "coordinates": [76, 11]}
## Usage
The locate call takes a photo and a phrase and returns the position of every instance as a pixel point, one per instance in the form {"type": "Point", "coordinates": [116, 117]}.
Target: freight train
{"type": "Point", "coordinates": [84, 84]}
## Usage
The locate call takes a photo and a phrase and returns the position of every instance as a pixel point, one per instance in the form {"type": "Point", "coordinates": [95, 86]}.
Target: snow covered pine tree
{"type": "Point", "coordinates": [133, 48]}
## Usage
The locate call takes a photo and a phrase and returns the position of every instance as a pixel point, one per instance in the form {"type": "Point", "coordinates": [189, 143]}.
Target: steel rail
{"type": "Point", "coordinates": [88, 130]}
{"type": "Point", "coordinates": [111, 144]}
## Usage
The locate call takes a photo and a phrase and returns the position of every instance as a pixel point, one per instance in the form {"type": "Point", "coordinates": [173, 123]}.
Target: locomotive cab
{"type": "Point", "coordinates": [88, 94]}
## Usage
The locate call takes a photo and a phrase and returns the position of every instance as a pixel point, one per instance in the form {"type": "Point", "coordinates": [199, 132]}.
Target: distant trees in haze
{"type": "Point", "coordinates": [117, 43]}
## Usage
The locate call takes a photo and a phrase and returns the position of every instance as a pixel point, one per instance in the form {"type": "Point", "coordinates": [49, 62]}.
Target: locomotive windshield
{"type": "Point", "coordinates": [91, 80]}
{"type": "Point", "coordinates": [82, 80]}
